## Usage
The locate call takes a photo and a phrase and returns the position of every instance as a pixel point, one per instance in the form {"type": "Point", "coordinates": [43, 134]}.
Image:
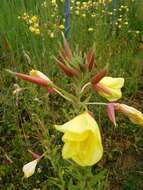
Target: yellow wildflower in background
{"type": "Point", "coordinates": [34, 18]}
{"type": "Point", "coordinates": [114, 85]}
{"type": "Point", "coordinates": [37, 31]}
{"type": "Point", "coordinates": [82, 140]}
{"type": "Point", "coordinates": [32, 29]}
{"type": "Point", "coordinates": [52, 35]}
{"type": "Point", "coordinates": [90, 29]}
{"type": "Point", "coordinates": [61, 27]}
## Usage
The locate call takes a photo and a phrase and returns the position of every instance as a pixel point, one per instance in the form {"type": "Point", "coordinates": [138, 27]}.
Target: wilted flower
{"type": "Point", "coordinates": [82, 140]}
{"type": "Point", "coordinates": [17, 90]}
{"type": "Point", "coordinates": [133, 114]}
{"type": "Point", "coordinates": [29, 168]}
{"type": "Point", "coordinates": [112, 86]}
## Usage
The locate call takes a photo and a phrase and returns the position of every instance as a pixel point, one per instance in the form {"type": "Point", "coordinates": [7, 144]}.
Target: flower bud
{"type": "Point", "coordinates": [99, 76]}
{"type": "Point", "coordinates": [133, 114]}
{"type": "Point", "coordinates": [69, 71]}
{"type": "Point", "coordinates": [29, 168]}
{"type": "Point", "coordinates": [90, 60]}
{"type": "Point", "coordinates": [36, 80]}
{"type": "Point", "coordinates": [36, 73]}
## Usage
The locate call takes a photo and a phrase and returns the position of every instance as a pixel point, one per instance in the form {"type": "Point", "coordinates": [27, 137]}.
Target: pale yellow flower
{"type": "Point", "coordinates": [34, 18]}
{"type": "Point", "coordinates": [90, 29]}
{"type": "Point", "coordinates": [32, 29]}
{"type": "Point", "coordinates": [133, 114]}
{"type": "Point", "coordinates": [52, 35]}
{"type": "Point", "coordinates": [77, 12]}
{"type": "Point", "coordinates": [82, 140]}
{"type": "Point", "coordinates": [114, 86]}
{"type": "Point", "coordinates": [37, 31]}
{"type": "Point", "coordinates": [29, 168]}
{"type": "Point", "coordinates": [53, 2]}
{"type": "Point", "coordinates": [61, 27]}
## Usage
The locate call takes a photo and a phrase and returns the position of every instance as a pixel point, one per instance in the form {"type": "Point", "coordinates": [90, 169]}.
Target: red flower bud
{"type": "Point", "coordinates": [90, 60]}
{"type": "Point", "coordinates": [71, 72]}
{"type": "Point", "coordinates": [35, 80]}
{"type": "Point", "coordinates": [67, 48]}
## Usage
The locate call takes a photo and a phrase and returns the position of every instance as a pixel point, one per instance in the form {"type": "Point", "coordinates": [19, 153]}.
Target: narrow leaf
{"type": "Point", "coordinates": [66, 47]}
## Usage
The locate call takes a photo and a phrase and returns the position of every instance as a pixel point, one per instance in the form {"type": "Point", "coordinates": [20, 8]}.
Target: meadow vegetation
{"type": "Point", "coordinates": [30, 37]}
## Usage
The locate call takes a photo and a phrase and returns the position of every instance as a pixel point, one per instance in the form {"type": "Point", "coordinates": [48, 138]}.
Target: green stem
{"type": "Point", "coordinates": [84, 87]}
{"type": "Point", "coordinates": [96, 103]}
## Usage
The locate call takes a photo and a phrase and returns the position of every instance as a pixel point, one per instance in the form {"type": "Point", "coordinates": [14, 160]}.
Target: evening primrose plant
{"type": "Point", "coordinates": [81, 135]}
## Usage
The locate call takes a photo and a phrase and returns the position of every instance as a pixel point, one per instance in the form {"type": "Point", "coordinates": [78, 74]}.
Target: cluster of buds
{"type": "Point", "coordinates": [82, 138]}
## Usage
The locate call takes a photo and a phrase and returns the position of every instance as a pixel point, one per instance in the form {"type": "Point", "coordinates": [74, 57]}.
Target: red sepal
{"type": "Point", "coordinates": [111, 113]}
{"type": "Point", "coordinates": [99, 76]}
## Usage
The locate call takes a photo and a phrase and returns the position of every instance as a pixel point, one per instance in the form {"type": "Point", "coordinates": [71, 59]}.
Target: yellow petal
{"type": "Point", "coordinates": [82, 140]}
{"type": "Point", "coordinates": [29, 168]}
{"type": "Point", "coordinates": [111, 82]}
{"type": "Point", "coordinates": [114, 85]}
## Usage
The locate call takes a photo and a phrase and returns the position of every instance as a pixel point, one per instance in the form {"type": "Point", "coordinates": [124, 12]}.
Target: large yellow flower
{"type": "Point", "coordinates": [133, 114]}
{"type": "Point", "coordinates": [112, 86]}
{"type": "Point", "coordinates": [82, 140]}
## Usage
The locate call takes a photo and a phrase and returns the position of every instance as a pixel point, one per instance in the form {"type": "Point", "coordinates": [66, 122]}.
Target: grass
{"type": "Point", "coordinates": [33, 112]}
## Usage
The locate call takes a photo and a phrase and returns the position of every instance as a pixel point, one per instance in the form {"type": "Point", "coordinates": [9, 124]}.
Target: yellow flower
{"type": "Point", "coordinates": [83, 15]}
{"type": "Point", "coordinates": [37, 31]}
{"type": "Point", "coordinates": [82, 140]}
{"type": "Point", "coordinates": [93, 15]}
{"type": "Point", "coordinates": [32, 29]}
{"type": "Point", "coordinates": [34, 18]}
{"type": "Point", "coordinates": [77, 12]}
{"type": "Point", "coordinates": [114, 86]}
{"type": "Point", "coordinates": [53, 2]}
{"type": "Point", "coordinates": [52, 35]}
{"type": "Point", "coordinates": [29, 168]}
{"type": "Point", "coordinates": [61, 26]}
{"type": "Point", "coordinates": [133, 114]}
{"type": "Point", "coordinates": [90, 29]}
